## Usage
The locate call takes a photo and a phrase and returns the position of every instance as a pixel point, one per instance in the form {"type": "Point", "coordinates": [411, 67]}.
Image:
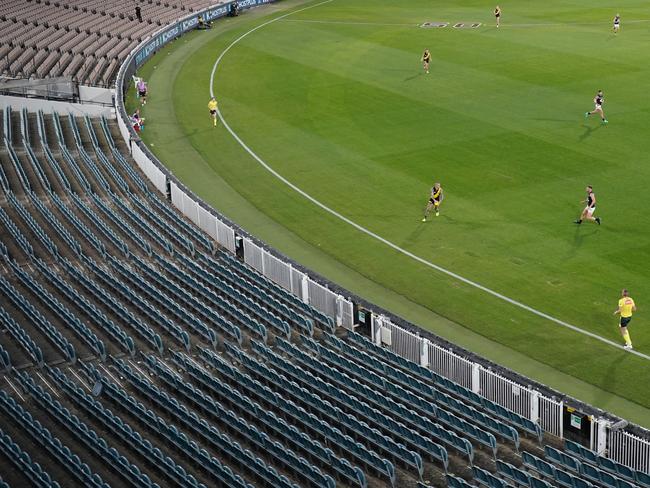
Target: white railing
{"type": "Point", "coordinates": [628, 449]}
{"type": "Point", "coordinates": [451, 366]}
{"type": "Point", "coordinates": [511, 395]}
{"type": "Point", "coordinates": [550, 415]}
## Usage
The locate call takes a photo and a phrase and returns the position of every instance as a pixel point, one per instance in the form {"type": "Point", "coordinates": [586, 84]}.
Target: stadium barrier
{"type": "Point", "coordinates": [628, 449]}
{"type": "Point", "coordinates": [543, 409]}
{"type": "Point", "coordinates": [522, 400]}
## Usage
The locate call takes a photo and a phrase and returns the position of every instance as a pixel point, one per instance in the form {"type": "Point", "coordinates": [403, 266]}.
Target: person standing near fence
{"type": "Point", "coordinates": [626, 307]}
{"type": "Point", "coordinates": [142, 91]}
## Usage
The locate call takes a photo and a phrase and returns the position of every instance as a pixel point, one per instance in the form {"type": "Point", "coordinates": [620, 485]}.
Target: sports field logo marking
{"type": "Point", "coordinates": [370, 233]}
{"type": "Point", "coordinates": [464, 25]}
{"type": "Point", "coordinates": [434, 25]}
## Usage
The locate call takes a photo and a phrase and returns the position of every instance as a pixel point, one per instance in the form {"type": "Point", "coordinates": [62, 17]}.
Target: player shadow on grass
{"type": "Point", "coordinates": [409, 78]}
{"type": "Point", "coordinates": [589, 129]}
{"type": "Point", "coordinates": [579, 237]}
{"type": "Point", "coordinates": [611, 377]}
{"type": "Point", "coordinates": [542, 119]}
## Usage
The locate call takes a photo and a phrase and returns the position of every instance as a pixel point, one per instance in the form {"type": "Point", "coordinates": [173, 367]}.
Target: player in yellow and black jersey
{"type": "Point", "coordinates": [426, 60]}
{"type": "Point", "coordinates": [434, 201]}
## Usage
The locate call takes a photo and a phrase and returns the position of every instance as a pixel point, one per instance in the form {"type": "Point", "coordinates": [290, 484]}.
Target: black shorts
{"type": "Point", "coordinates": [625, 321]}
{"type": "Point", "coordinates": [143, 93]}
{"type": "Point", "coordinates": [213, 112]}
{"type": "Point", "coordinates": [433, 201]}
{"type": "Point", "coordinates": [497, 15]}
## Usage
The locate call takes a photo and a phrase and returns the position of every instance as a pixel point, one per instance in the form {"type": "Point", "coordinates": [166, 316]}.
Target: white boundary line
{"type": "Point", "coordinates": [376, 236]}
{"type": "Point", "coordinates": [343, 22]}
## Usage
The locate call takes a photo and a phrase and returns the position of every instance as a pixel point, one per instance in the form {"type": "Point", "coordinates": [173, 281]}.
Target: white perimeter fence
{"type": "Point", "coordinates": [618, 445]}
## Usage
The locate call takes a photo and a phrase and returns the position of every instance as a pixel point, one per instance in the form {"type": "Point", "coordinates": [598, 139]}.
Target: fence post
{"type": "Point", "coordinates": [600, 444]}
{"type": "Point", "coordinates": [424, 352]}
{"type": "Point", "coordinates": [377, 323]}
{"type": "Point", "coordinates": [534, 405]}
{"type": "Point", "coordinates": [339, 310]}
{"type": "Point", "coordinates": [476, 378]}
{"type": "Point", "coordinates": [305, 289]}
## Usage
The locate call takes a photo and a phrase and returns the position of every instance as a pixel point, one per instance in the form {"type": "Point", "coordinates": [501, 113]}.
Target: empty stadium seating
{"type": "Point", "coordinates": [155, 358]}
{"type": "Point", "coordinates": [85, 40]}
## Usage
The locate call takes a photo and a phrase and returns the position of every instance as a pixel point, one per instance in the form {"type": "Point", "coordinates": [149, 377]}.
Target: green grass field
{"type": "Point", "coordinates": [334, 99]}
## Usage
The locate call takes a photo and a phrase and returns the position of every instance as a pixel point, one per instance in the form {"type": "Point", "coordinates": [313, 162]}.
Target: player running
{"type": "Point", "coordinates": [434, 201]}
{"type": "Point", "coordinates": [599, 99]}
{"type": "Point", "coordinates": [617, 23]}
{"type": "Point", "coordinates": [497, 15]}
{"type": "Point", "coordinates": [588, 211]}
{"type": "Point", "coordinates": [426, 60]}
{"type": "Point", "coordinates": [625, 308]}
{"type": "Point", "coordinates": [212, 107]}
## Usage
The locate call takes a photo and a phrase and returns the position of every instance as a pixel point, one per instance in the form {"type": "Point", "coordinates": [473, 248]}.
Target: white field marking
{"type": "Point", "coordinates": [48, 385]}
{"type": "Point", "coordinates": [560, 24]}
{"type": "Point", "coordinates": [236, 41]}
{"type": "Point", "coordinates": [15, 389]}
{"type": "Point", "coordinates": [344, 22]}
{"type": "Point", "coordinates": [370, 233]}
{"type": "Point", "coordinates": [109, 374]}
{"type": "Point", "coordinates": [532, 24]}
{"type": "Point", "coordinates": [79, 378]}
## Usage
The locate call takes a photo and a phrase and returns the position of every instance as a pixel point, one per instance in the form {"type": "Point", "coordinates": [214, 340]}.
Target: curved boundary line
{"type": "Point", "coordinates": [369, 232]}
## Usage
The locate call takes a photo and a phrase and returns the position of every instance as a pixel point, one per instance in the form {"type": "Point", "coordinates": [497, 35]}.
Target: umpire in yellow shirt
{"type": "Point", "coordinates": [212, 107]}
{"type": "Point", "coordinates": [625, 308]}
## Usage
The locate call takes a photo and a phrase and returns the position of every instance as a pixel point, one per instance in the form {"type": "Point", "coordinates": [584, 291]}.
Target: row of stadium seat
{"type": "Point", "coordinates": [218, 440]}
{"type": "Point", "coordinates": [50, 218]}
{"type": "Point", "coordinates": [219, 310]}
{"type": "Point", "coordinates": [390, 359]}
{"type": "Point", "coordinates": [65, 315]}
{"type": "Point", "coordinates": [583, 475]}
{"type": "Point", "coordinates": [95, 315]}
{"type": "Point", "coordinates": [142, 329]}
{"type": "Point", "coordinates": [487, 479]}
{"type": "Point", "coordinates": [381, 467]}
{"type": "Point", "coordinates": [395, 450]}
{"type": "Point", "coordinates": [51, 444]}
{"type": "Point", "coordinates": [246, 407]}
{"type": "Point", "coordinates": [162, 462]}
{"type": "Point", "coordinates": [5, 359]}
{"type": "Point", "coordinates": [249, 294]}
{"type": "Point", "coordinates": [24, 463]}
{"type": "Point", "coordinates": [86, 43]}
{"type": "Point", "coordinates": [21, 337]}
{"type": "Point", "coordinates": [157, 296]}
{"type": "Point", "coordinates": [588, 463]}
{"type": "Point", "coordinates": [240, 301]}
{"type": "Point", "coordinates": [276, 290]}
{"type": "Point", "coordinates": [446, 417]}
{"type": "Point", "coordinates": [282, 455]}
{"type": "Point", "coordinates": [441, 434]}
{"type": "Point", "coordinates": [41, 323]}
{"type": "Point", "coordinates": [100, 204]}
{"type": "Point", "coordinates": [607, 464]}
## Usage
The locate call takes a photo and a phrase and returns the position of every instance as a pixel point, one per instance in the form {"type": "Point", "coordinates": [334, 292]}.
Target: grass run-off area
{"type": "Point", "coordinates": [334, 98]}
